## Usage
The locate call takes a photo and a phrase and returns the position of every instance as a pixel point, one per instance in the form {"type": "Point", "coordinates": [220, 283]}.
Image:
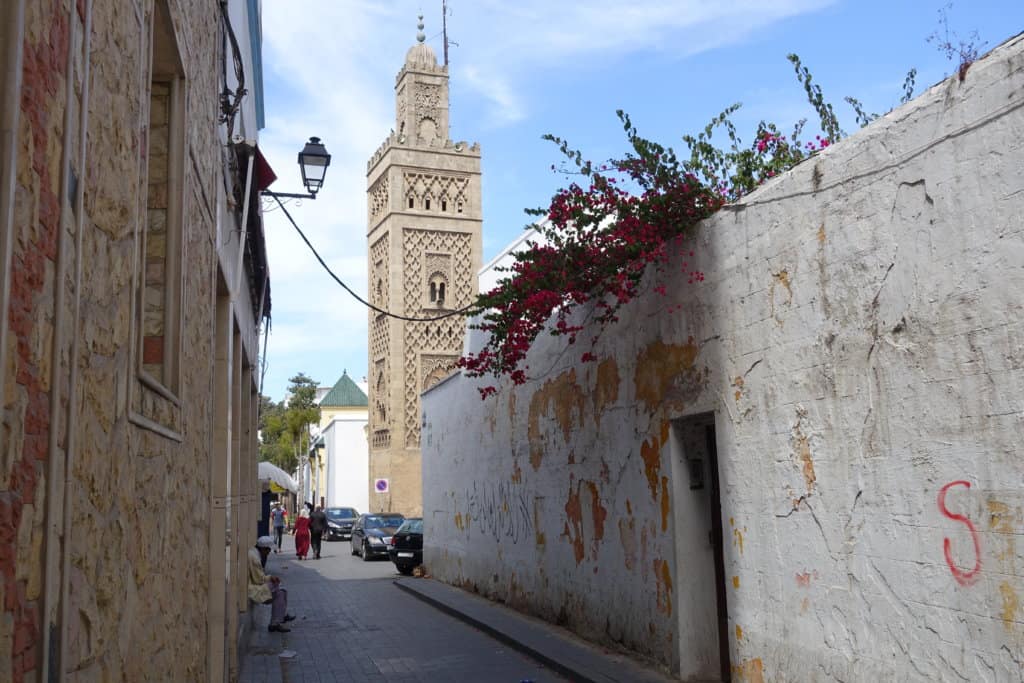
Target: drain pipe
{"type": "Point", "coordinates": [13, 42]}
{"type": "Point", "coordinates": [59, 476]}
{"type": "Point", "coordinates": [243, 232]}
{"type": "Point", "coordinates": [72, 403]}
{"type": "Point", "coordinates": [55, 534]}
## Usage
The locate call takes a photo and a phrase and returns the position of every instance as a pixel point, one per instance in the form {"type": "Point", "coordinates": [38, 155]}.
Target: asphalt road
{"type": "Point", "coordinates": [354, 625]}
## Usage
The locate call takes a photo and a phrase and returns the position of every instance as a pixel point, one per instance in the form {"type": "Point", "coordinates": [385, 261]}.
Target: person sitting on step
{"type": "Point", "coordinates": [266, 589]}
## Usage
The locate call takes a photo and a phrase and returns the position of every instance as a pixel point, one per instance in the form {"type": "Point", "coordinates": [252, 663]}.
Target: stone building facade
{"type": "Point", "coordinates": [424, 236]}
{"type": "Point", "coordinates": [132, 281]}
{"type": "Point", "coordinates": [804, 468]}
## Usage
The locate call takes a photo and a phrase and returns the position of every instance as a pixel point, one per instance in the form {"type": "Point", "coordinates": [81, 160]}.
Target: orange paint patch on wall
{"type": "Point", "coordinates": [563, 398]}
{"type": "Point", "coordinates": [737, 538]}
{"type": "Point", "coordinates": [650, 452]}
{"type": "Point", "coordinates": [574, 513]}
{"type": "Point", "coordinates": [597, 511]}
{"type": "Point", "coordinates": [802, 449]}
{"type": "Point", "coordinates": [1011, 603]}
{"type": "Point", "coordinates": [606, 389]}
{"type": "Point", "coordinates": [751, 671]}
{"type": "Point", "coordinates": [663, 579]}
{"type": "Point", "coordinates": [782, 277]}
{"type": "Point", "coordinates": [738, 383]}
{"type": "Point", "coordinates": [458, 521]}
{"type": "Point", "coordinates": [517, 474]}
{"type": "Point", "coordinates": [657, 367]}
{"type": "Point", "coordinates": [539, 538]}
{"type": "Point", "coordinates": [821, 234]}
{"type": "Point", "coordinates": [735, 582]}
{"type": "Point", "coordinates": [627, 538]}
{"type": "Point", "coordinates": [739, 632]}
{"type": "Point", "coordinates": [803, 579]}
{"type": "Point", "coordinates": [1001, 518]}
{"type": "Point", "coordinates": [665, 504]}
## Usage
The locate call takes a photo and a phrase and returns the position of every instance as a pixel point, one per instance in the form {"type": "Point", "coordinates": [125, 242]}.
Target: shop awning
{"type": "Point", "coordinates": [268, 471]}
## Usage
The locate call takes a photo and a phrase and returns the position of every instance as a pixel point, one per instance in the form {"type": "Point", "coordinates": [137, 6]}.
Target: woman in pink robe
{"type": "Point", "coordinates": [302, 534]}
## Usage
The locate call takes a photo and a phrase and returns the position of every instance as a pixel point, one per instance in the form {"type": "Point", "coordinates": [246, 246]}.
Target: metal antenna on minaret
{"type": "Point", "coordinates": [444, 28]}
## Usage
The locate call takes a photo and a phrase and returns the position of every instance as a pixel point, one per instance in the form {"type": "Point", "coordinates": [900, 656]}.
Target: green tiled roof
{"type": "Point", "coordinates": [344, 394]}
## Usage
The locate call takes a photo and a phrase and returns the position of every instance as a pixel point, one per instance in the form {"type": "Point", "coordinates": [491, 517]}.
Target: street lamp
{"type": "Point", "coordinates": [313, 161]}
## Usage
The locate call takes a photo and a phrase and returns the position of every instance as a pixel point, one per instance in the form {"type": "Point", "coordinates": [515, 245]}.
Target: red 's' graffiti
{"type": "Point", "coordinates": [964, 578]}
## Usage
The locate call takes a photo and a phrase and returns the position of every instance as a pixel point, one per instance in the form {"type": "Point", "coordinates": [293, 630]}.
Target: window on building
{"type": "Point", "coordinates": [160, 282]}
{"type": "Point", "coordinates": [436, 289]}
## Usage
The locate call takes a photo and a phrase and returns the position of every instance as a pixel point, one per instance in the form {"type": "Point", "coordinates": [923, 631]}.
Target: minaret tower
{"type": "Point", "coordinates": [424, 239]}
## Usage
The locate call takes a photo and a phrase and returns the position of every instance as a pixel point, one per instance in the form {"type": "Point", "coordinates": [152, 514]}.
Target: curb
{"type": "Point", "coordinates": [553, 664]}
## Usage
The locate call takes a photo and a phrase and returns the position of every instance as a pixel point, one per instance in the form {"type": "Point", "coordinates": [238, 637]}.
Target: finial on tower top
{"type": "Point", "coordinates": [420, 36]}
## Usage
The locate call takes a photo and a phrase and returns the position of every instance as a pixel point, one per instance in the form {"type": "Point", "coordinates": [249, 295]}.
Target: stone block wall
{"type": "Point", "coordinates": [858, 348]}
{"type": "Point", "coordinates": [105, 497]}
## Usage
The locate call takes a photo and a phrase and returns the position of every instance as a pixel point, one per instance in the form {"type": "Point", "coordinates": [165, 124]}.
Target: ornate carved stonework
{"type": "Point", "coordinates": [379, 277]}
{"type": "Point", "coordinates": [378, 203]}
{"type": "Point", "coordinates": [437, 281]}
{"type": "Point", "coordinates": [446, 193]}
{"type": "Point", "coordinates": [427, 97]}
{"type": "Point", "coordinates": [435, 368]}
{"type": "Point", "coordinates": [452, 251]}
{"type": "Point", "coordinates": [400, 107]}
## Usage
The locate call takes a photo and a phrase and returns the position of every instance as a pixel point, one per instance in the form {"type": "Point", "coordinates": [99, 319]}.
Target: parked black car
{"type": "Point", "coordinates": [406, 549]}
{"type": "Point", "coordinates": [371, 534]}
{"type": "Point", "coordinates": [339, 523]}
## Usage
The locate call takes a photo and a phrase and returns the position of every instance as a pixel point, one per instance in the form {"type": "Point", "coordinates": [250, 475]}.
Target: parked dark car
{"type": "Point", "coordinates": [406, 549]}
{"type": "Point", "coordinates": [339, 523]}
{"type": "Point", "coordinates": [371, 534]}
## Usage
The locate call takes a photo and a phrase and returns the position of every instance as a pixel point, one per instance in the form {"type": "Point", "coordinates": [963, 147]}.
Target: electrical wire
{"type": "Point", "coordinates": [449, 314]}
{"type": "Point", "coordinates": [229, 107]}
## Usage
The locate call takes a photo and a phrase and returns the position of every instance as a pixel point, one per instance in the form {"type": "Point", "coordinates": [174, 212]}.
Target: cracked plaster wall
{"type": "Point", "coordinates": [860, 339]}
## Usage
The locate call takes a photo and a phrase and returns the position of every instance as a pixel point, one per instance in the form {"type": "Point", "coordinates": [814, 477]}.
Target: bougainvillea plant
{"type": "Point", "coordinates": [619, 221]}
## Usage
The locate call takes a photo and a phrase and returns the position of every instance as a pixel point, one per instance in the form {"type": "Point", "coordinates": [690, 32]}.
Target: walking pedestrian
{"type": "Point", "coordinates": [317, 529]}
{"type": "Point", "coordinates": [277, 520]}
{"type": "Point", "coordinates": [302, 534]}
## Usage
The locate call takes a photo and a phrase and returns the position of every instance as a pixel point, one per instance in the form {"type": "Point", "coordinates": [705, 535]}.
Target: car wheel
{"type": "Point", "coordinates": [366, 552]}
{"type": "Point", "coordinates": [404, 569]}
{"type": "Point", "coordinates": [352, 548]}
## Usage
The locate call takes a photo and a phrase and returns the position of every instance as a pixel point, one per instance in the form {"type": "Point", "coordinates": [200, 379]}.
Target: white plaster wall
{"type": "Point", "coordinates": [859, 339]}
{"type": "Point", "coordinates": [348, 464]}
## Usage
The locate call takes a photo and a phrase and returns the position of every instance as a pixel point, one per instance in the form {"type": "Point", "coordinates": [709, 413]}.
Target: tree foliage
{"type": "Point", "coordinates": [284, 426]}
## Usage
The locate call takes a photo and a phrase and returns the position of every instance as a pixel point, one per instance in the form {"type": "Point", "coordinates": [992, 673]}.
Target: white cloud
{"type": "Point", "coordinates": [512, 42]}
{"type": "Point", "coordinates": [506, 106]}
{"type": "Point", "coordinates": [329, 70]}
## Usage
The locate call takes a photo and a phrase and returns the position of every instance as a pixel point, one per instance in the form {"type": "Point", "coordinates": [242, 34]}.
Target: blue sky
{"type": "Point", "coordinates": [529, 67]}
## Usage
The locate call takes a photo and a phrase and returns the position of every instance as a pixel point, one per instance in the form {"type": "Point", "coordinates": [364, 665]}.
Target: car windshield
{"type": "Point", "coordinates": [411, 526]}
{"type": "Point", "coordinates": [377, 522]}
{"type": "Point", "coordinates": [341, 513]}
